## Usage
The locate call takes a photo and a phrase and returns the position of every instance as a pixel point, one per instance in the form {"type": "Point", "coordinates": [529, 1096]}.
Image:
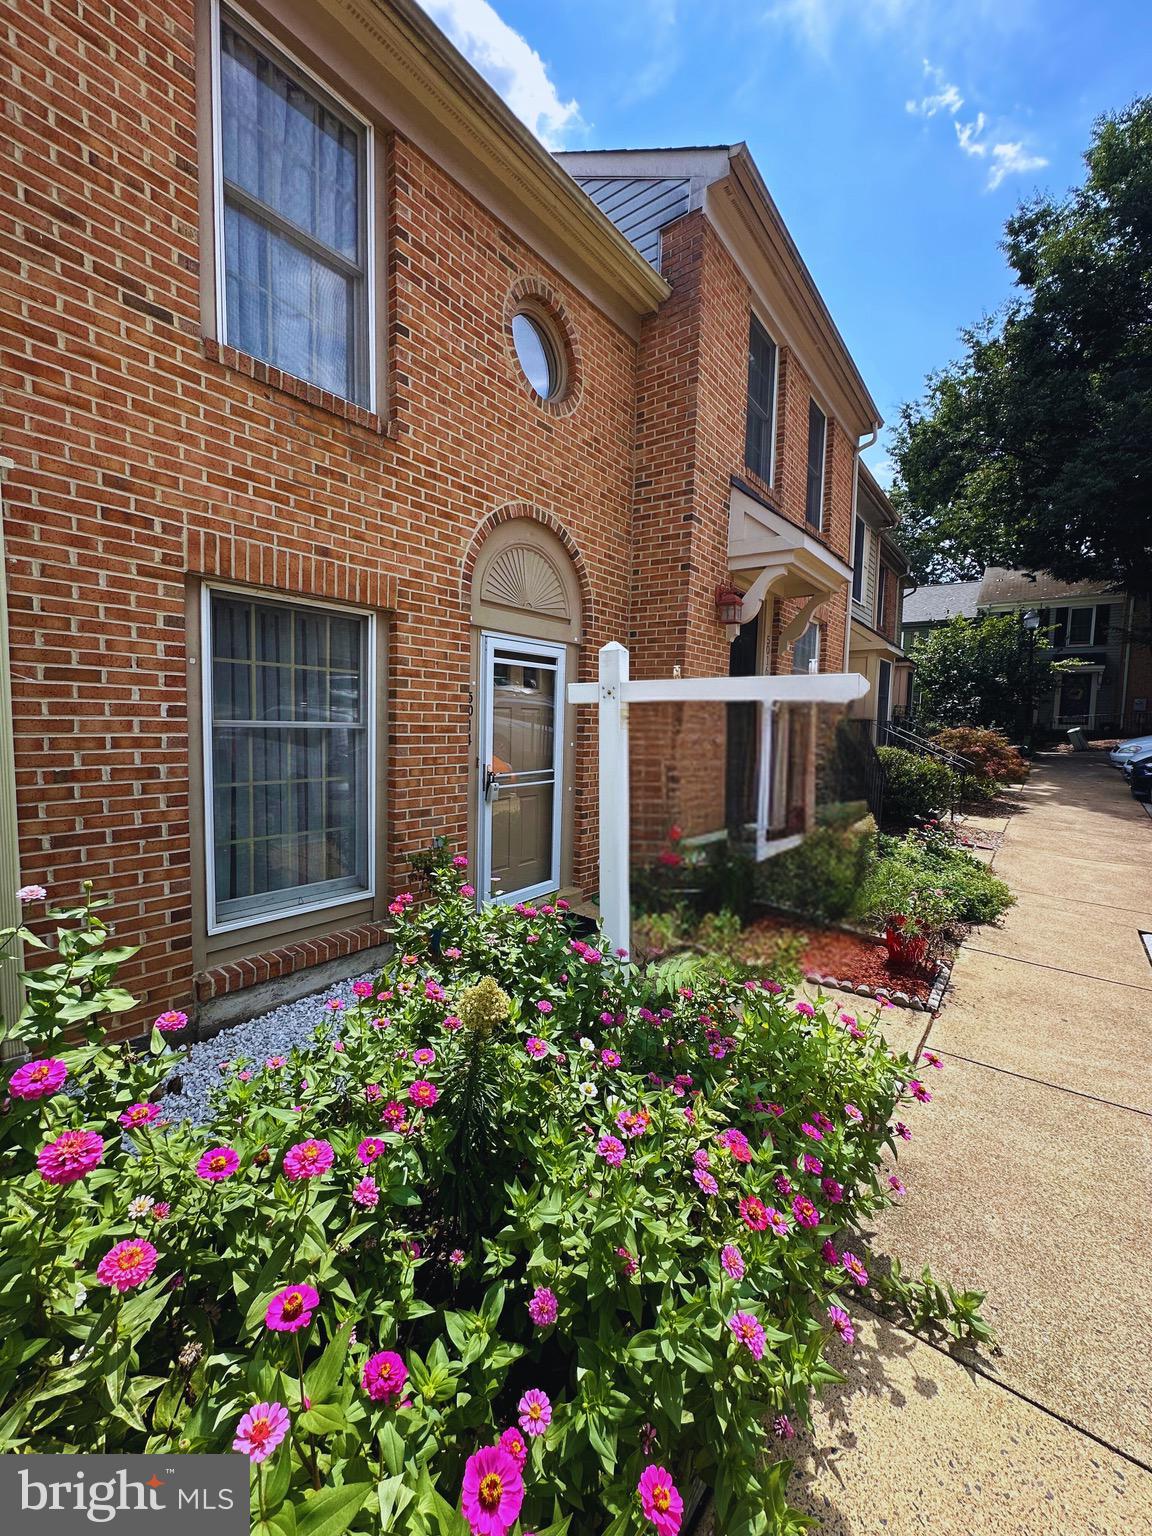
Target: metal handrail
{"type": "Point", "coordinates": [897, 736]}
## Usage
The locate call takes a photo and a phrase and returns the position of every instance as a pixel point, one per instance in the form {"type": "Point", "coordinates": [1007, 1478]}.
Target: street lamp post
{"type": "Point", "coordinates": [1031, 622]}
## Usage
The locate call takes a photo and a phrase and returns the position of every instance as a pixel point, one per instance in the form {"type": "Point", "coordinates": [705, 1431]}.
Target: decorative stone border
{"type": "Point", "coordinates": [900, 999]}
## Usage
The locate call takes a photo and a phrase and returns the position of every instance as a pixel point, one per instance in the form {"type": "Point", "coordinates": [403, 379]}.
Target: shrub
{"type": "Point", "coordinates": [820, 878]}
{"type": "Point", "coordinates": [507, 1213]}
{"type": "Point", "coordinates": [915, 786]}
{"type": "Point", "coordinates": [992, 756]}
{"type": "Point", "coordinates": [925, 877]}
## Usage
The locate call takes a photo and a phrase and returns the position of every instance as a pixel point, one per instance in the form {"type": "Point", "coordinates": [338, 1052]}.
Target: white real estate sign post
{"type": "Point", "coordinates": [614, 692]}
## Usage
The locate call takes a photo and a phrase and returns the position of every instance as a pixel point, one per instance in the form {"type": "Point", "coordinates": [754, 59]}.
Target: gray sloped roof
{"type": "Point", "coordinates": [934, 604]}
{"type": "Point", "coordinates": [1026, 587]}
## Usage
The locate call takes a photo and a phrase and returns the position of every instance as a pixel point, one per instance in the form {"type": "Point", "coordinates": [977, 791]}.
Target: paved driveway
{"type": "Point", "coordinates": [1030, 1177]}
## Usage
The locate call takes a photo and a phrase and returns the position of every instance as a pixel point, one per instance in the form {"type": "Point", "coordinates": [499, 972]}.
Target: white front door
{"type": "Point", "coordinates": [521, 767]}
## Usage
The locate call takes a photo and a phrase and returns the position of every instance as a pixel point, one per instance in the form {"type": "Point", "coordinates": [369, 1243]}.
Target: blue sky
{"type": "Point", "coordinates": [895, 135]}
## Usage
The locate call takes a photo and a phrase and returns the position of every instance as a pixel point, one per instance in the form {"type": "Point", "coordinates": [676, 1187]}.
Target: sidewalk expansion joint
{"type": "Point", "coordinates": [1044, 965]}
{"type": "Point", "coordinates": [978, 1369]}
{"type": "Point", "coordinates": [1040, 1082]}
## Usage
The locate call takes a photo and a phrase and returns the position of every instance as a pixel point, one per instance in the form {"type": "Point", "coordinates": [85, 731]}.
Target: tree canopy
{"type": "Point", "coordinates": [984, 671]}
{"type": "Point", "coordinates": [1034, 449]}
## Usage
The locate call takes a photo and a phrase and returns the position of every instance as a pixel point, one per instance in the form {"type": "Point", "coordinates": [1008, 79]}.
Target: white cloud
{"type": "Point", "coordinates": [1005, 159]}
{"type": "Point", "coordinates": [945, 98]}
{"type": "Point", "coordinates": [511, 66]}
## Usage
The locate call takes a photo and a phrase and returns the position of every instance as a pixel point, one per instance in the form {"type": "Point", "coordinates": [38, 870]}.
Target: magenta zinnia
{"type": "Point", "coordinates": [534, 1412]}
{"type": "Point", "coordinates": [854, 1267]}
{"type": "Point", "coordinates": [37, 1079]}
{"type": "Point", "coordinates": [127, 1265]}
{"type": "Point", "coordinates": [261, 1430]}
{"type": "Point", "coordinates": [611, 1149]}
{"type": "Point", "coordinates": [70, 1156]}
{"type": "Point", "coordinates": [660, 1500]}
{"type": "Point", "coordinates": [217, 1163]}
{"type": "Point", "coordinates": [138, 1114]}
{"type": "Point", "coordinates": [543, 1307]}
{"type": "Point", "coordinates": [292, 1309]}
{"type": "Point", "coordinates": [307, 1159]}
{"type": "Point", "coordinates": [369, 1149]}
{"type": "Point", "coordinates": [423, 1094]}
{"type": "Point", "coordinates": [512, 1441]}
{"type": "Point", "coordinates": [168, 1023]}
{"type": "Point", "coordinates": [805, 1212]}
{"type": "Point", "coordinates": [384, 1376]}
{"type": "Point", "coordinates": [777, 1221]}
{"type": "Point", "coordinates": [749, 1331]}
{"type": "Point", "coordinates": [367, 1193]}
{"type": "Point", "coordinates": [732, 1261]}
{"type": "Point", "coordinates": [754, 1213]}
{"type": "Point", "coordinates": [841, 1324]}
{"type": "Point", "coordinates": [535, 1047]}
{"type": "Point", "coordinates": [492, 1492]}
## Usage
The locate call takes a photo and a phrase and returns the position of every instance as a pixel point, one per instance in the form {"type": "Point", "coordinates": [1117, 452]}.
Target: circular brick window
{"type": "Point", "coordinates": [540, 352]}
{"type": "Point", "coordinates": [543, 349]}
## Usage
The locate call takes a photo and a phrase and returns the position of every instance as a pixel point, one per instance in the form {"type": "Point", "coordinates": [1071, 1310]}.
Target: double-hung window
{"type": "Point", "coordinates": [292, 227]}
{"type": "Point", "coordinates": [817, 442]}
{"type": "Point", "coordinates": [760, 425]}
{"type": "Point", "coordinates": [289, 753]}
{"type": "Point", "coordinates": [806, 650]}
{"type": "Point", "coordinates": [859, 559]}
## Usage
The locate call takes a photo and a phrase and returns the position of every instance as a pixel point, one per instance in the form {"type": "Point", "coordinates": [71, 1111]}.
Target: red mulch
{"type": "Point", "coordinates": [847, 956]}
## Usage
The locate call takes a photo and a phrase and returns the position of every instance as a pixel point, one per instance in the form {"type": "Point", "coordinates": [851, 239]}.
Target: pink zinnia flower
{"type": "Point", "coordinates": [492, 1492]}
{"type": "Point", "coordinates": [168, 1023]}
{"type": "Point", "coordinates": [782, 1427]}
{"type": "Point", "coordinates": [783, 1185]}
{"type": "Point", "coordinates": [362, 989]}
{"type": "Point", "coordinates": [535, 1047]}
{"type": "Point", "coordinates": [467, 890]}
{"type": "Point", "coordinates": [660, 1500]}
{"type": "Point", "coordinates": [611, 1149]}
{"type": "Point", "coordinates": [460, 861]}
{"type": "Point", "coordinates": [777, 1221]}
{"type": "Point", "coordinates": [701, 1158]}
{"type": "Point", "coordinates": [456, 1257]}
{"type": "Point", "coordinates": [384, 1376]}
{"type": "Point", "coordinates": [732, 1261]}
{"type": "Point", "coordinates": [754, 1213]}
{"type": "Point", "coordinates": [308, 1159]}
{"type": "Point", "coordinates": [424, 1056]}
{"type": "Point", "coordinates": [633, 1122]}
{"type": "Point", "coordinates": [70, 1156]}
{"type": "Point", "coordinates": [932, 1060]}
{"type": "Point", "coordinates": [29, 893]}
{"type": "Point", "coordinates": [512, 1441]}
{"type": "Point", "coordinates": [828, 1252]}
{"type": "Point", "coordinates": [811, 1131]}
{"type": "Point", "coordinates": [805, 1212]}
{"type": "Point", "coordinates": [127, 1265]}
{"type": "Point", "coordinates": [291, 1309]}
{"type": "Point", "coordinates": [749, 1331]}
{"type": "Point", "coordinates": [393, 1115]}
{"type": "Point", "coordinates": [736, 1143]}
{"type": "Point", "coordinates": [422, 1093]}
{"type": "Point", "coordinates": [369, 1150]}
{"type": "Point", "coordinates": [610, 1059]}
{"type": "Point", "coordinates": [853, 1114]}
{"type": "Point", "coordinates": [918, 1091]}
{"type": "Point", "coordinates": [543, 1308]}
{"type": "Point", "coordinates": [261, 1430]}
{"type": "Point", "coordinates": [806, 1009]}
{"type": "Point", "coordinates": [161, 1210]}
{"type": "Point", "coordinates": [705, 1181]}
{"type": "Point", "coordinates": [841, 1324]}
{"type": "Point", "coordinates": [534, 1412]}
{"type": "Point", "coordinates": [544, 1006]}
{"type": "Point", "coordinates": [628, 1263]}
{"type": "Point", "coordinates": [217, 1163]}
{"type": "Point", "coordinates": [811, 1164]}
{"type": "Point", "coordinates": [853, 1267]}
{"type": "Point", "coordinates": [366, 1193]}
{"type": "Point", "coordinates": [896, 1185]}
{"type": "Point", "coordinates": [274, 1063]}
{"type": "Point", "coordinates": [38, 1079]}
{"type": "Point", "coordinates": [833, 1191]}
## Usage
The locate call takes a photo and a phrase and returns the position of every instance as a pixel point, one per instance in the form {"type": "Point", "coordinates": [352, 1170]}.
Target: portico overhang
{"type": "Point", "coordinates": [767, 552]}
{"type": "Point", "coordinates": [865, 641]}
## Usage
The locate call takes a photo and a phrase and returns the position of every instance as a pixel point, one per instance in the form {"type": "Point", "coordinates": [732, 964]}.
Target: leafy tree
{"type": "Point", "coordinates": [1034, 450]}
{"type": "Point", "coordinates": [981, 671]}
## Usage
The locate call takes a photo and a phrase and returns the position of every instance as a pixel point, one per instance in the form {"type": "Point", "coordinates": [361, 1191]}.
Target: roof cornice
{"type": "Point", "coordinates": [427, 74]}
{"type": "Point", "coordinates": [755, 205]}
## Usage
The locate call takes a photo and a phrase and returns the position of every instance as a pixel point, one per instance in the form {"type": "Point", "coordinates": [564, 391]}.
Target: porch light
{"type": "Point", "coordinates": [1031, 621]}
{"type": "Point", "coordinates": [729, 604]}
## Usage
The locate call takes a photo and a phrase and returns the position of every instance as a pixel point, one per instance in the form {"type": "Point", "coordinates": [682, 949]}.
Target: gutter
{"type": "Point", "coordinates": [856, 452]}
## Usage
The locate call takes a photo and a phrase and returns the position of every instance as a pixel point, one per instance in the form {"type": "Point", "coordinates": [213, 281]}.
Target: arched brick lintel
{"type": "Point", "coordinates": [508, 513]}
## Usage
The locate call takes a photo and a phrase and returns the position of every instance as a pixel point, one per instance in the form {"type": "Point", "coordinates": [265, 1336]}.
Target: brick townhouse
{"type": "Point", "coordinates": [342, 424]}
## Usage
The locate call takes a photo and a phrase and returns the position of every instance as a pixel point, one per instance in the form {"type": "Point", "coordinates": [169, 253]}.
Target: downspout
{"type": "Point", "coordinates": [856, 452]}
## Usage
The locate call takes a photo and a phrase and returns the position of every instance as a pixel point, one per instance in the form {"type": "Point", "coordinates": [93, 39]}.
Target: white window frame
{"type": "Point", "coordinates": [1092, 643]}
{"type": "Point", "coordinates": [492, 641]}
{"type": "Point", "coordinates": [323, 88]}
{"type": "Point", "coordinates": [770, 478]}
{"type": "Point", "coordinates": [279, 914]}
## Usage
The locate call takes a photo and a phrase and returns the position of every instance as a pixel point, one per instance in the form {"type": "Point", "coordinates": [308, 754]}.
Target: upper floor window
{"type": "Point", "coordinates": [1081, 627]}
{"type": "Point", "coordinates": [292, 222]}
{"type": "Point", "coordinates": [859, 559]}
{"type": "Point", "coordinates": [817, 441]}
{"type": "Point", "coordinates": [760, 425]}
{"type": "Point", "coordinates": [806, 650]}
{"type": "Point", "coordinates": [883, 578]}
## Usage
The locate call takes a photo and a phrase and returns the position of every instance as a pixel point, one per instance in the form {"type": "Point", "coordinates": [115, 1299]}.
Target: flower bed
{"type": "Point", "coordinates": [537, 1242]}
{"type": "Point", "coordinates": [843, 959]}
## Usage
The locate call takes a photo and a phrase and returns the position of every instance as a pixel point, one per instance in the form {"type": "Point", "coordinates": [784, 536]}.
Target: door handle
{"type": "Point", "coordinates": [491, 785]}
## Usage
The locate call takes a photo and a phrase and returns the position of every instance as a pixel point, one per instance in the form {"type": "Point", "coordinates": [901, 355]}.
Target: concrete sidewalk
{"type": "Point", "coordinates": [1030, 1178]}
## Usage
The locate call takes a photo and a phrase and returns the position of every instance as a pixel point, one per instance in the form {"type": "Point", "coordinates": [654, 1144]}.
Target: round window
{"type": "Point", "coordinates": [538, 355]}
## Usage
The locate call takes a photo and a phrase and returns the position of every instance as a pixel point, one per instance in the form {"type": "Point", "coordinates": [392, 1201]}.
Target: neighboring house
{"type": "Point", "coordinates": [1104, 631]}
{"type": "Point", "coordinates": [345, 428]}
{"type": "Point", "coordinates": [879, 581]}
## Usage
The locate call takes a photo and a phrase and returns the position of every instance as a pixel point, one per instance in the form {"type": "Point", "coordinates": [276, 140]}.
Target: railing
{"type": "Point", "coordinates": [892, 735]}
{"type": "Point", "coordinates": [855, 771]}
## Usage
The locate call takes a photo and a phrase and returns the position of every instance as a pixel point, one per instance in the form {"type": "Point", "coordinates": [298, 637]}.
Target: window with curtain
{"type": "Point", "coordinates": [760, 426]}
{"type": "Point", "coordinates": [293, 169]}
{"type": "Point", "coordinates": [288, 759]}
{"type": "Point", "coordinates": [806, 650]}
{"type": "Point", "coordinates": [817, 441]}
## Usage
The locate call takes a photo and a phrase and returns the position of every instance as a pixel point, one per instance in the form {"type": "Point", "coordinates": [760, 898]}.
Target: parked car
{"type": "Point", "coordinates": [1130, 762]}
{"type": "Point", "coordinates": [1137, 746]}
{"type": "Point", "coordinates": [1141, 779]}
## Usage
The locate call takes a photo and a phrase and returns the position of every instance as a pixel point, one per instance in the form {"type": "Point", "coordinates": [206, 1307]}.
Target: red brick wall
{"type": "Point", "coordinates": [691, 403]}
{"type": "Point", "coordinates": [145, 454]}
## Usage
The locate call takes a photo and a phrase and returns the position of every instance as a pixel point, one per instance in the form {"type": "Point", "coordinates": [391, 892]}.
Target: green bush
{"type": "Point", "coordinates": [819, 878]}
{"type": "Point", "coordinates": [513, 1175]}
{"type": "Point", "coordinates": [926, 877]}
{"type": "Point", "coordinates": [915, 786]}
